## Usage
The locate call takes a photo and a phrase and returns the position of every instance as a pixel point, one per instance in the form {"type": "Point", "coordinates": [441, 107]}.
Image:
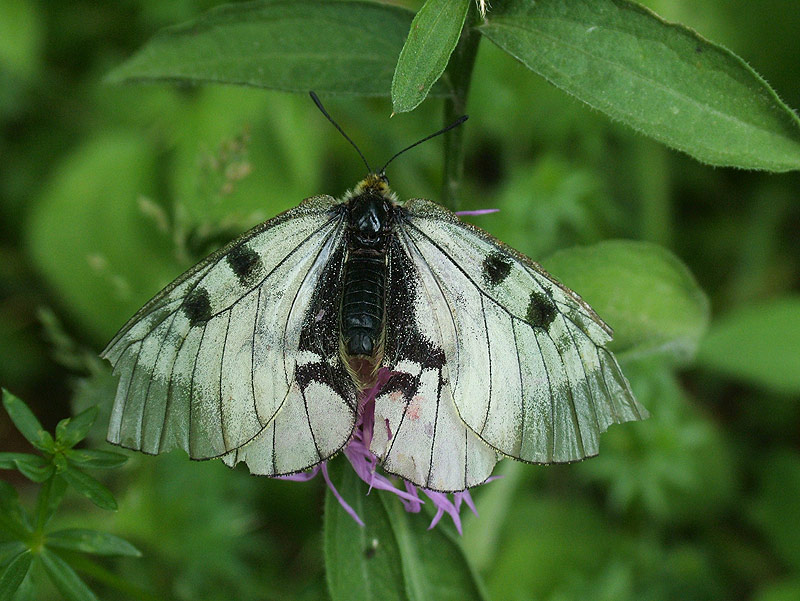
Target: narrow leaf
{"type": "Point", "coordinates": [431, 40]}
{"type": "Point", "coordinates": [91, 488]}
{"type": "Point", "coordinates": [91, 541]}
{"type": "Point", "coordinates": [65, 578]}
{"type": "Point", "coordinates": [33, 467]}
{"type": "Point", "coordinates": [644, 292]}
{"type": "Point", "coordinates": [13, 519]}
{"type": "Point", "coordinates": [757, 344]}
{"type": "Point", "coordinates": [662, 79]}
{"type": "Point", "coordinates": [50, 496]}
{"type": "Point", "coordinates": [26, 422]}
{"type": "Point", "coordinates": [13, 575]}
{"type": "Point", "coordinates": [94, 458]}
{"type": "Point", "coordinates": [290, 45]}
{"type": "Point", "coordinates": [71, 431]}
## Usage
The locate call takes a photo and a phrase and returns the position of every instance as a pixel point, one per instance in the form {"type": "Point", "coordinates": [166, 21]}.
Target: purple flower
{"type": "Point", "coordinates": [365, 464]}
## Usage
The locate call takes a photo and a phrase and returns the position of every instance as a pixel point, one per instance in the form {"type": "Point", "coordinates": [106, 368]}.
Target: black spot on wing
{"type": "Point", "coordinates": [197, 307]}
{"type": "Point", "coordinates": [541, 310]}
{"type": "Point", "coordinates": [496, 267]}
{"type": "Point", "coordinates": [245, 263]}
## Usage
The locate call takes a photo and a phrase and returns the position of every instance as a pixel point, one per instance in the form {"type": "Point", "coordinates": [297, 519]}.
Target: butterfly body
{"type": "Point", "coordinates": [258, 353]}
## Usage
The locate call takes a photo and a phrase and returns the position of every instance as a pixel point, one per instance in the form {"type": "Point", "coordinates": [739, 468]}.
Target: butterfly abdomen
{"type": "Point", "coordinates": [363, 302]}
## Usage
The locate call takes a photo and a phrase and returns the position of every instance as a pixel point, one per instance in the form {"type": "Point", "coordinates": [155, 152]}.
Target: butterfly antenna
{"type": "Point", "coordinates": [455, 123]}
{"type": "Point", "coordinates": [318, 102]}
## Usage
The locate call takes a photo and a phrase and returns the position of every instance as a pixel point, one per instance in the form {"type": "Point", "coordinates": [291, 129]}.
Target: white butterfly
{"type": "Point", "coordinates": [257, 354]}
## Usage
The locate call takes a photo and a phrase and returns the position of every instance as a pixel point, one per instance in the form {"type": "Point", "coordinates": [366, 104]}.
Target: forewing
{"type": "Point", "coordinates": [530, 374]}
{"type": "Point", "coordinates": [418, 434]}
{"type": "Point", "coordinates": [210, 361]}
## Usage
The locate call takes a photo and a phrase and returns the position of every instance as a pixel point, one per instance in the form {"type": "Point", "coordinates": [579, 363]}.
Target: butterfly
{"type": "Point", "coordinates": [258, 353]}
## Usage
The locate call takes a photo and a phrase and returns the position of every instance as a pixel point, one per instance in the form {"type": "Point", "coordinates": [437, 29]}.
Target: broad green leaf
{"type": "Point", "coordinates": [662, 79]}
{"type": "Point", "coordinates": [758, 344]}
{"type": "Point", "coordinates": [94, 458]}
{"type": "Point", "coordinates": [13, 575]}
{"type": "Point", "coordinates": [289, 45]}
{"type": "Point", "coordinates": [26, 422]}
{"type": "Point", "coordinates": [71, 431]}
{"type": "Point", "coordinates": [362, 563]}
{"type": "Point", "coordinates": [434, 565]}
{"type": "Point", "coordinates": [777, 507]}
{"type": "Point", "coordinates": [393, 556]}
{"type": "Point", "coordinates": [644, 292]}
{"type": "Point", "coordinates": [89, 238]}
{"type": "Point", "coordinates": [65, 578]}
{"type": "Point", "coordinates": [431, 40]}
{"type": "Point", "coordinates": [13, 519]}
{"type": "Point", "coordinates": [91, 541]}
{"type": "Point", "coordinates": [50, 496]}
{"type": "Point", "coordinates": [89, 487]}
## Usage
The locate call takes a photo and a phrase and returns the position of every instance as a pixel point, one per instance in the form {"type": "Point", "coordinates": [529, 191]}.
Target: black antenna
{"type": "Point", "coordinates": [455, 123]}
{"type": "Point", "coordinates": [317, 101]}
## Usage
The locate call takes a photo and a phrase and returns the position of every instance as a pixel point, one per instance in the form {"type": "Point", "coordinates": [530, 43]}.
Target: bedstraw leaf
{"type": "Point", "coordinates": [289, 45]}
{"type": "Point", "coordinates": [431, 40]}
{"type": "Point", "coordinates": [662, 79]}
{"type": "Point", "coordinates": [67, 581]}
{"type": "Point", "coordinates": [91, 541]}
{"type": "Point", "coordinates": [13, 574]}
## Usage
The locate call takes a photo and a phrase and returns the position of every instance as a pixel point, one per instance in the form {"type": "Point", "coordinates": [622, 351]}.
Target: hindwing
{"type": "Point", "coordinates": [528, 370]}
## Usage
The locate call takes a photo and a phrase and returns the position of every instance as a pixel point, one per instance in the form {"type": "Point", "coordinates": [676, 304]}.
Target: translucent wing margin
{"type": "Point", "coordinates": [529, 371]}
{"type": "Point", "coordinates": [216, 358]}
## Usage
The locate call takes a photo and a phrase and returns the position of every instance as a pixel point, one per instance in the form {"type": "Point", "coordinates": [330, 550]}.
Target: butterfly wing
{"type": "Point", "coordinates": [529, 371]}
{"type": "Point", "coordinates": [230, 350]}
{"type": "Point", "coordinates": [418, 434]}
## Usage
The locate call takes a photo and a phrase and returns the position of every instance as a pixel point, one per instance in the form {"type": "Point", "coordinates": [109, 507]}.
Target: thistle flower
{"type": "Point", "coordinates": [365, 464]}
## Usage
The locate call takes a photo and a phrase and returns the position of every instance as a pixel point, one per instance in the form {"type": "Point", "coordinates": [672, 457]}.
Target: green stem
{"type": "Point", "coordinates": [458, 76]}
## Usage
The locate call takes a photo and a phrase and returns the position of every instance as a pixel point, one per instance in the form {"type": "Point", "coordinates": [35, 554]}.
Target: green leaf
{"type": "Point", "coordinates": [431, 40]}
{"type": "Point", "coordinates": [94, 458]}
{"type": "Point", "coordinates": [65, 578]}
{"type": "Point", "coordinates": [50, 496]}
{"type": "Point", "coordinates": [777, 504]}
{"type": "Point", "coordinates": [26, 422]}
{"type": "Point", "coordinates": [642, 291]}
{"type": "Point", "coordinates": [289, 45]}
{"type": "Point", "coordinates": [33, 467]}
{"type": "Point", "coordinates": [91, 541]}
{"type": "Point", "coordinates": [71, 431]}
{"type": "Point", "coordinates": [757, 344]}
{"type": "Point", "coordinates": [89, 487]}
{"type": "Point", "coordinates": [12, 517]}
{"type": "Point", "coordinates": [393, 556]}
{"type": "Point", "coordinates": [662, 79]}
{"type": "Point", "coordinates": [13, 575]}
{"type": "Point", "coordinates": [362, 563]}
{"type": "Point", "coordinates": [97, 264]}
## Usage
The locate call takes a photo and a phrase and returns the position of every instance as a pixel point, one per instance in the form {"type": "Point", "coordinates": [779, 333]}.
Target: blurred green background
{"type": "Point", "coordinates": [108, 192]}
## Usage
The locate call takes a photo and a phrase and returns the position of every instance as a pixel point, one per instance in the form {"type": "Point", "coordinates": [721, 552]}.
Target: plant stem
{"type": "Point", "coordinates": [458, 75]}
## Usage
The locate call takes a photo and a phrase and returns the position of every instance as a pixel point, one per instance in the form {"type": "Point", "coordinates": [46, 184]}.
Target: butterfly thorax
{"type": "Point", "coordinates": [370, 209]}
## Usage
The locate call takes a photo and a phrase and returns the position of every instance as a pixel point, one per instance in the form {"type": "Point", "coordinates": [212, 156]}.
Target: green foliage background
{"type": "Point", "coordinates": [107, 192]}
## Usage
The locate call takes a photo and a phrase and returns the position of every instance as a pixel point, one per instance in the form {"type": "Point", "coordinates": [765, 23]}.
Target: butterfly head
{"type": "Point", "coordinates": [369, 208]}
